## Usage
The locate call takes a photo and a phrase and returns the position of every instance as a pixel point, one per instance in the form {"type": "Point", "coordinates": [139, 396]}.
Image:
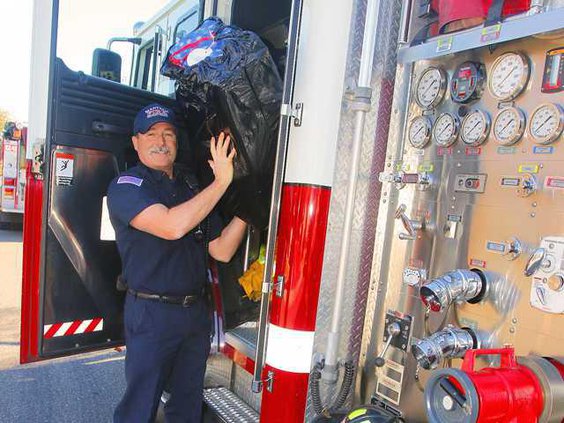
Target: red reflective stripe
{"type": "Point", "coordinates": [52, 330]}
{"type": "Point", "coordinates": [72, 328]}
{"type": "Point", "coordinates": [92, 326]}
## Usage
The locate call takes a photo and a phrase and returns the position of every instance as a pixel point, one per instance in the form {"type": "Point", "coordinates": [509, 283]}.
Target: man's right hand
{"type": "Point", "coordinates": [222, 159]}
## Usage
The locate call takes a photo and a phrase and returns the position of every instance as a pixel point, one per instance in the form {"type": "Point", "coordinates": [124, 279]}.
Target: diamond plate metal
{"type": "Point", "coordinates": [229, 407]}
{"type": "Point", "coordinates": [241, 386]}
{"type": "Point", "coordinates": [218, 371]}
{"type": "Point", "coordinates": [368, 190]}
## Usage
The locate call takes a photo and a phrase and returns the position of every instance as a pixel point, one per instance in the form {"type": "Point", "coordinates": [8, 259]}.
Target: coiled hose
{"type": "Point", "coordinates": [315, 376]}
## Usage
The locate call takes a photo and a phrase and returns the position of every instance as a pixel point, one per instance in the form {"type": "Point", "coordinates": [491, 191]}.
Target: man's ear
{"type": "Point", "coordinates": [135, 140]}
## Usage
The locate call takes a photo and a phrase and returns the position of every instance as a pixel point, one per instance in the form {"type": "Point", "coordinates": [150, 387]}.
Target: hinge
{"type": "Point", "coordinates": [38, 162]}
{"type": "Point", "coordinates": [296, 112]}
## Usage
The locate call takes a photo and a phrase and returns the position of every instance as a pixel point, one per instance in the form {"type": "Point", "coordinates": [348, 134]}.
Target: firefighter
{"type": "Point", "coordinates": [162, 227]}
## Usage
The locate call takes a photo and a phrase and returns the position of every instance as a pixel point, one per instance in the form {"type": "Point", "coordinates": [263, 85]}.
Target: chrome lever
{"type": "Point", "coordinates": [535, 261]}
{"type": "Point", "coordinates": [393, 330]}
{"type": "Point", "coordinates": [411, 226]}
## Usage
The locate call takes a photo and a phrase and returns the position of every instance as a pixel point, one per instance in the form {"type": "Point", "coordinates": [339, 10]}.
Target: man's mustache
{"type": "Point", "coordinates": [159, 150]}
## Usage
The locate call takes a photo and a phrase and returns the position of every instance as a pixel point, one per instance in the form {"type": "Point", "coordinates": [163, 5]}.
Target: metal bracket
{"type": "Point", "coordinates": [38, 162]}
{"type": "Point", "coordinates": [296, 112]}
{"type": "Point", "coordinates": [279, 286]}
{"type": "Point", "coordinates": [258, 384]}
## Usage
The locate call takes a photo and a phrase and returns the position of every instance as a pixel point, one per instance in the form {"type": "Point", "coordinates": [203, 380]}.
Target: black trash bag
{"type": "Point", "coordinates": [226, 79]}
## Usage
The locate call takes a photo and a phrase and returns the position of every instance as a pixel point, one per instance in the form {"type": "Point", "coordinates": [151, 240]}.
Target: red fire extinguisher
{"type": "Point", "coordinates": [525, 390]}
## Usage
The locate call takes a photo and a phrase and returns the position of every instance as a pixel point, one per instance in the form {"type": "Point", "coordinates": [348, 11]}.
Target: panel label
{"type": "Point", "coordinates": [426, 167]}
{"type": "Point", "coordinates": [539, 149]}
{"type": "Point", "coordinates": [444, 44]}
{"type": "Point", "coordinates": [554, 182]}
{"type": "Point", "coordinates": [496, 247]}
{"type": "Point", "coordinates": [473, 151]}
{"type": "Point", "coordinates": [64, 169]}
{"type": "Point", "coordinates": [477, 263]}
{"type": "Point", "coordinates": [506, 150]}
{"type": "Point", "coordinates": [454, 218]}
{"type": "Point", "coordinates": [528, 168]}
{"type": "Point", "coordinates": [510, 182]}
{"type": "Point", "coordinates": [444, 151]}
{"type": "Point", "coordinates": [490, 33]}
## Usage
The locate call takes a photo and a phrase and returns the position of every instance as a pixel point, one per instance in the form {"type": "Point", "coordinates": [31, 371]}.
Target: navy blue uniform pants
{"type": "Point", "coordinates": [166, 343]}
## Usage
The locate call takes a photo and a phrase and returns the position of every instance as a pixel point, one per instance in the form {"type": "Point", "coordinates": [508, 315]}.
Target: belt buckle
{"type": "Point", "coordinates": [187, 301]}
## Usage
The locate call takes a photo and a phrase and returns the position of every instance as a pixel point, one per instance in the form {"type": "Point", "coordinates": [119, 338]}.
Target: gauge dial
{"type": "Point", "coordinates": [547, 122]}
{"type": "Point", "coordinates": [467, 82]}
{"type": "Point", "coordinates": [430, 88]}
{"type": "Point", "coordinates": [419, 132]}
{"type": "Point", "coordinates": [445, 130]}
{"type": "Point", "coordinates": [509, 125]}
{"type": "Point", "coordinates": [509, 75]}
{"type": "Point", "coordinates": [475, 128]}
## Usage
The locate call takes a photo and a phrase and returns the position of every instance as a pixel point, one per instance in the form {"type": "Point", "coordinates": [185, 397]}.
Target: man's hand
{"type": "Point", "coordinates": [222, 159]}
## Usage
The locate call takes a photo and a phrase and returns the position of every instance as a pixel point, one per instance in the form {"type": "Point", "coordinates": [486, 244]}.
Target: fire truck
{"type": "Point", "coordinates": [414, 264]}
{"type": "Point", "coordinates": [12, 172]}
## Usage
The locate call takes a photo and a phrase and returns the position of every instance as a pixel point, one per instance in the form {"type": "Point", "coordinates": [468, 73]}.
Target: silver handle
{"type": "Point", "coordinates": [405, 21]}
{"type": "Point", "coordinates": [411, 226]}
{"type": "Point", "coordinates": [535, 261]}
{"type": "Point", "coordinates": [393, 330]}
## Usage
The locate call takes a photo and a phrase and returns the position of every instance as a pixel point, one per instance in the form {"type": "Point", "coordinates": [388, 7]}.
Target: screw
{"type": "Point", "coordinates": [384, 201]}
{"type": "Point", "coordinates": [514, 320]}
{"type": "Point", "coordinates": [534, 204]}
{"type": "Point", "coordinates": [511, 330]}
{"type": "Point", "coordinates": [533, 214]}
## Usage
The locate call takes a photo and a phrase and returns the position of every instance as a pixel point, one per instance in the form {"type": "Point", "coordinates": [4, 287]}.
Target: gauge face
{"type": "Point", "coordinates": [508, 76]}
{"type": "Point", "coordinates": [475, 128]}
{"type": "Point", "coordinates": [546, 123]}
{"type": "Point", "coordinates": [467, 82]}
{"type": "Point", "coordinates": [419, 132]}
{"type": "Point", "coordinates": [508, 126]}
{"type": "Point", "coordinates": [430, 88]}
{"type": "Point", "coordinates": [445, 130]}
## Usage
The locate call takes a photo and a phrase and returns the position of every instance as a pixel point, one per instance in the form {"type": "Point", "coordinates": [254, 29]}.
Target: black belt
{"type": "Point", "coordinates": [184, 301]}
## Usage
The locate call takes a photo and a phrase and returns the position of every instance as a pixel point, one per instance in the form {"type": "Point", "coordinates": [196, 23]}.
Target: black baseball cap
{"type": "Point", "coordinates": [151, 114]}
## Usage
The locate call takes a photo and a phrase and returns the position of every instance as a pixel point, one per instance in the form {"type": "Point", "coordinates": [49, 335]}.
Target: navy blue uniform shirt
{"type": "Point", "coordinates": [151, 264]}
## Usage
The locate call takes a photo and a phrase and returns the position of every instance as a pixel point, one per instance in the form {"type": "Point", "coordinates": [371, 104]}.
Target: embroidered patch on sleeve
{"type": "Point", "coordinates": [130, 180]}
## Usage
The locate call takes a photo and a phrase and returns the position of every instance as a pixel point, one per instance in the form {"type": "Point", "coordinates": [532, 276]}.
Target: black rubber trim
{"type": "Point", "coordinates": [482, 292]}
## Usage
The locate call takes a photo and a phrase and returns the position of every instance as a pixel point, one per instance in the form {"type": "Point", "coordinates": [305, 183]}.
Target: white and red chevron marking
{"type": "Point", "coordinates": [73, 328]}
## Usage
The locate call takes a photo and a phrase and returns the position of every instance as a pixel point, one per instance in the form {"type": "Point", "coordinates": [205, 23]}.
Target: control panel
{"type": "Point", "coordinates": [474, 187]}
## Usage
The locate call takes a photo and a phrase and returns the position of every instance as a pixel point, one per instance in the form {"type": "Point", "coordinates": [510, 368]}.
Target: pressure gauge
{"type": "Point", "coordinates": [546, 124]}
{"type": "Point", "coordinates": [475, 128]}
{"type": "Point", "coordinates": [430, 88]}
{"type": "Point", "coordinates": [467, 82]}
{"type": "Point", "coordinates": [509, 75]}
{"type": "Point", "coordinates": [509, 125]}
{"type": "Point", "coordinates": [445, 130]}
{"type": "Point", "coordinates": [419, 132]}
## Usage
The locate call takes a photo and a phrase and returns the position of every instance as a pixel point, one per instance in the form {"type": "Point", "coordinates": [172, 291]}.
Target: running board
{"type": "Point", "coordinates": [228, 407]}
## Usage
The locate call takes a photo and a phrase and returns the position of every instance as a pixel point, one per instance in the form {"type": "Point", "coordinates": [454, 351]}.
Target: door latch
{"type": "Point", "coordinates": [293, 112]}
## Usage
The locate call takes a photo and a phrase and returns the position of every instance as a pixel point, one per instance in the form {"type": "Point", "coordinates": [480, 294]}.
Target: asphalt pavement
{"type": "Point", "coordinates": [84, 389]}
{"type": "Point", "coordinates": [80, 389]}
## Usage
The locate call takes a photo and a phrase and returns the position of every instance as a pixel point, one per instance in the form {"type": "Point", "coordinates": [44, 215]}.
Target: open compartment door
{"type": "Point", "coordinates": [70, 303]}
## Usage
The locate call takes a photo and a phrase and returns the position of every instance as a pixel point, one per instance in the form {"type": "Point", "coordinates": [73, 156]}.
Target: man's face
{"type": "Point", "coordinates": [157, 147]}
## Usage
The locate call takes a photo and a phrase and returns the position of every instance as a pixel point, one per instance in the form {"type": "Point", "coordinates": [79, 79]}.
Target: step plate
{"type": "Point", "coordinates": [229, 407]}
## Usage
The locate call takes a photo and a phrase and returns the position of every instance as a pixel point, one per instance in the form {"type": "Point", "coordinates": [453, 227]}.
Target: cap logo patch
{"type": "Point", "coordinates": [156, 111]}
{"type": "Point", "coordinates": [130, 180]}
